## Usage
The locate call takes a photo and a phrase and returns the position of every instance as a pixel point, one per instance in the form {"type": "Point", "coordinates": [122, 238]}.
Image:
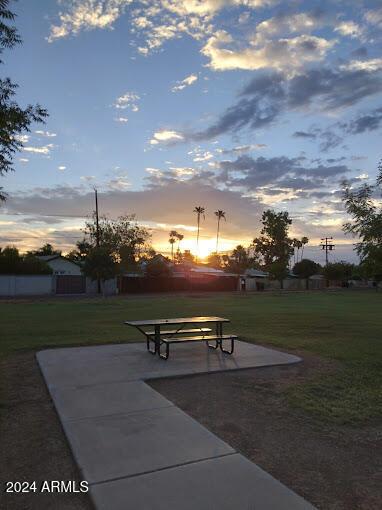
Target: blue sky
{"type": "Point", "coordinates": [162, 105]}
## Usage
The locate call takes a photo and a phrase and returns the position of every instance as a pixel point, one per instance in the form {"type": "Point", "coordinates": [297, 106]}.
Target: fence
{"type": "Point", "coordinates": [259, 284]}
{"type": "Point", "coordinates": [141, 284]}
{"type": "Point", "coordinates": [44, 285]}
{"type": "Point", "coordinates": [26, 285]}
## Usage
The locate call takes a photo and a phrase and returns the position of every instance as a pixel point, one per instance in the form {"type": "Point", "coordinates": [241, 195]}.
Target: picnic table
{"type": "Point", "coordinates": [181, 326]}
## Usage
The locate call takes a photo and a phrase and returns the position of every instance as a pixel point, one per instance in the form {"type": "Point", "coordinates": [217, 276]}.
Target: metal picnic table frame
{"type": "Point", "coordinates": [180, 322]}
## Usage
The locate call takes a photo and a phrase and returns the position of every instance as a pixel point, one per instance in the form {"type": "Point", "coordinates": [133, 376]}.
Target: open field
{"type": "Point", "coordinates": [345, 327]}
{"type": "Point", "coordinates": [315, 426]}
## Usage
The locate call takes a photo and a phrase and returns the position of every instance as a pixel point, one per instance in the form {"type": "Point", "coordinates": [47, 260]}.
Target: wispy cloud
{"type": "Point", "coordinates": [128, 100]}
{"type": "Point", "coordinates": [165, 136]}
{"type": "Point", "coordinates": [121, 119]}
{"type": "Point", "coordinates": [189, 80]}
{"type": "Point", "coordinates": [47, 134]}
{"type": "Point", "coordinates": [45, 149]}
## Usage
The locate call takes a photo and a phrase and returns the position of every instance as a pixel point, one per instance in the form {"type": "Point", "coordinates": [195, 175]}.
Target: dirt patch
{"type": "Point", "coordinates": [32, 443]}
{"type": "Point", "coordinates": [333, 467]}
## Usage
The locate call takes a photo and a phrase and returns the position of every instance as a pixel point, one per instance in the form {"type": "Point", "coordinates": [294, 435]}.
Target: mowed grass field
{"type": "Point", "coordinates": [341, 326]}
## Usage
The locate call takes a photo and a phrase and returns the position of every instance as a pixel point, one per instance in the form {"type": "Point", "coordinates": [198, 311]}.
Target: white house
{"type": "Point", "coordinates": [61, 265]}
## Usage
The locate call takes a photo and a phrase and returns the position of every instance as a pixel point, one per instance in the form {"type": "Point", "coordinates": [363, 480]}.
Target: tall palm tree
{"type": "Point", "coordinates": [295, 245]}
{"type": "Point", "coordinates": [173, 237]}
{"type": "Point", "coordinates": [304, 241]}
{"type": "Point", "coordinates": [179, 237]}
{"type": "Point", "coordinates": [220, 214]}
{"type": "Point", "coordinates": [200, 211]}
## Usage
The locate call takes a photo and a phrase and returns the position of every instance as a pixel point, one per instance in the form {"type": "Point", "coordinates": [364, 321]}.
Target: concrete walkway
{"type": "Point", "coordinates": [136, 449]}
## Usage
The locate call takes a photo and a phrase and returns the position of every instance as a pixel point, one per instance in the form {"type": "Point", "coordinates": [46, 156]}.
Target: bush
{"type": "Point", "coordinates": [11, 262]}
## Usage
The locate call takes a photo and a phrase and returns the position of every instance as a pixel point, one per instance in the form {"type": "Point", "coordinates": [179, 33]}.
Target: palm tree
{"type": "Point", "coordinates": [173, 236]}
{"type": "Point", "coordinates": [179, 237]}
{"type": "Point", "coordinates": [220, 214]}
{"type": "Point", "coordinates": [304, 241]}
{"type": "Point", "coordinates": [199, 210]}
{"type": "Point", "coordinates": [296, 243]}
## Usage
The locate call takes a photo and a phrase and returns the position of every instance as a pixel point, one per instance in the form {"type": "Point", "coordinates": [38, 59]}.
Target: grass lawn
{"type": "Point", "coordinates": [341, 326]}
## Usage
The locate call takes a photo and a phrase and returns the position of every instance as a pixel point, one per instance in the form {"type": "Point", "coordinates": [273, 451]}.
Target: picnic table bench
{"type": "Point", "coordinates": [160, 337]}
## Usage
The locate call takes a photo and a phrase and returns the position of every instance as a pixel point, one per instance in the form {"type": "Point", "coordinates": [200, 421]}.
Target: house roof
{"type": "Point", "coordinates": [48, 258]}
{"type": "Point", "coordinates": [256, 273]}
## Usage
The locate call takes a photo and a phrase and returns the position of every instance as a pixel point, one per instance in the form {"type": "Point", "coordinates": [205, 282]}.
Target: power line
{"type": "Point", "coordinates": [327, 246]}
{"type": "Point", "coordinates": [44, 215]}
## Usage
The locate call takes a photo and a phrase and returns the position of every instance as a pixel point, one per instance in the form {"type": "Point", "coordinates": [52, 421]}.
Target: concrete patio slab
{"type": "Point", "coordinates": [111, 398]}
{"type": "Point", "coordinates": [131, 362]}
{"type": "Point", "coordinates": [226, 483]}
{"type": "Point", "coordinates": [138, 450]}
{"type": "Point", "coordinates": [124, 445]}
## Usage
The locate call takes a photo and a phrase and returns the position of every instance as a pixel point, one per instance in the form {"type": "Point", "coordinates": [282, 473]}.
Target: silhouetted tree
{"type": "Point", "coordinates": [11, 262]}
{"type": "Point", "coordinates": [306, 268]}
{"type": "Point", "coordinates": [100, 265]}
{"type": "Point", "coordinates": [214, 260]}
{"type": "Point", "coordinates": [200, 211]}
{"type": "Point", "coordinates": [81, 251]}
{"type": "Point", "coordinates": [239, 260]}
{"type": "Point", "coordinates": [123, 238]}
{"type": "Point", "coordinates": [274, 245]}
{"type": "Point", "coordinates": [172, 240]}
{"type": "Point", "coordinates": [157, 266]}
{"type": "Point", "coordinates": [304, 241]}
{"type": "Point", "coordinates": [220, 215]}
{"type": "Point", "coordinates": [366, 224]}
{"type": "Point", "coordinates": [14, 120]}
{"type": "Point", "coordinates": [341, 271]}
{"type": "Point", "coordinates": [46, 249]}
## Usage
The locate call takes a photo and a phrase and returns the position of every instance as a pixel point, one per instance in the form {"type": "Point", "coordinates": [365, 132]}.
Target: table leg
{"type": "Point", "coordinates": [157, 338]}
{"type": "Point", "coordinates": [219, 332]}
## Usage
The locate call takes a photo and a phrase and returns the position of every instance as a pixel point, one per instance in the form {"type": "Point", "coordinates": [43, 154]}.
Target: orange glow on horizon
{"type": "Point", "coordinates": [206, 246]}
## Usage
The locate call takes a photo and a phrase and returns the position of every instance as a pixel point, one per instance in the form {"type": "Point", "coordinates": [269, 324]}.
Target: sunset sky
{"type": "Point", "coordinates": [163, 105]}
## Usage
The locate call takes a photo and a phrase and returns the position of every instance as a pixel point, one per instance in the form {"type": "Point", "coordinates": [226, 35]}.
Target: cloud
{"type": "Point", "coordinates": [47, 134]}
{"type": "Point", "coordinates": [22, 138]}
{"type": "Point", "coordinates": [127, 100]}
{"type": "Point", "coordinates": [349, 28]}
{"type": "Point", "coordinates": [62, 167]}
{"type": "Point", "coordinates": [242, 149]}
{"type": "Point", "coordinates": [45, 149]}
{"type": "Point", "coordinates": [287, 54]}
{"type": "Point", "coordinates": [203, 156]}
{"type": "Point", "coordinates": [311, 135]}
{"type": "Point", "coordinates": [287, 23]}
{"type": "Point", "coordinates": [374, 16]}
{"type": "Point", "coordinates": [23, 160]}
{"type": "Point", "coordinates": [165, 136]}
{"type": "Point", "coordinates": [374, 64]}
{"type": "Point", "coordinates": [366, 122]}
{"type": "Point", "coordinates": [87, 15]}
{"type": "Point", "coordinates": [189, 80]}
{"type": "Point", "coordinates": [281, 172]}
{"type": "Point", "coordinates": [268, 96]}
{"type": "Point", "coordinates": [150, 205]}
{"type": "Point", "coordinates": [156, 21]}
{"type": "Point", "coordinates": [121, 119]}
{"type": "Point", "coordinates": [332, 136]}
{"type": "Point", "coordinates": [328, 138]}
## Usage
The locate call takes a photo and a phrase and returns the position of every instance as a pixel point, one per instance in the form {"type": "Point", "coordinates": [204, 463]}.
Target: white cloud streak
{"type": "Point", "coordinates": [189, 80]}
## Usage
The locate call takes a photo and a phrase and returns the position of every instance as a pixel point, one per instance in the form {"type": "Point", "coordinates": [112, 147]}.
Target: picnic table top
{"type": "Point", "coordinates": [176, 320]}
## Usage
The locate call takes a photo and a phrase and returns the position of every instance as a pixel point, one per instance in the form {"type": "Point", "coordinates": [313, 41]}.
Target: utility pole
{"type": "Point", "coordinates": [327, 246]}
{"type": "Point", "coordinates": [97, 235]}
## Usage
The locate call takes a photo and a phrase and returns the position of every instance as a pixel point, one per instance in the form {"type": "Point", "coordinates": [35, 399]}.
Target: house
{"type": "Point", "coordinates": [61, 265]}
